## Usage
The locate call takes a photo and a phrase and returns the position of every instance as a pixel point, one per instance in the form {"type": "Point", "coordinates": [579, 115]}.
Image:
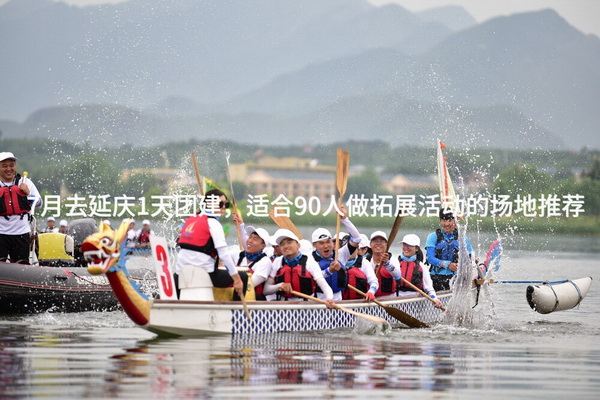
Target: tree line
{"type": "Point", "coordinates": [84, 169]}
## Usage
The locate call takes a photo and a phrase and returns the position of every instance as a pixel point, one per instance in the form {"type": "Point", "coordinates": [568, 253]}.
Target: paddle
{"type": "Point", "coordinates": [197, 171]}
{"type": "Point", "coordinates": [400, 315]}
{"type": "Point", "coordinates": [237, 227]}
{"type": "Point", "coordinates": [422, 293]}
{"type": "Point", "coordinates": [285, 223]}
{"type": "Point", "coordinates": [341, 181]}
{"type": "Point", "coordinates": [481, 281]}
{"type": "Point", "coordinates": [235, 209]}
{"type": "Point", "coordinates": [371, 318]}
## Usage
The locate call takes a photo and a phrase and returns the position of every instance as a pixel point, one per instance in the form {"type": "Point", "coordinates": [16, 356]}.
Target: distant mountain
{"type": "Point", "coordinates": [142, 51]}
{"type": "Point", "coordinates": [394, 118]}
{"type": "Point", "coordinates": [454, 17]}
{"type": "Point", "coordinates": [535, 62]}
{"type": "Point", "coordinates": [302, 70]}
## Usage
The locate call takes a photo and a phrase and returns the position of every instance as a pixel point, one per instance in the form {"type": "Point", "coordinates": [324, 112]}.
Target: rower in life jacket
{"type": "Point", "coordinates": [386, 276]}
{"type": "Point", "coordinates": [356, 278]}
{"type": "Point", "coordinates": [143, 235]}
{"type": "Point", "coordinates": [294, 271]}
{"type": "Point", "coordinates": [195, 235]}
{"type": "Point", "coordinates": [360, 272]}
{"type": "Point", "coordinates": [256, 260]}
{"type": "Point", "coordinates": [203, 245]}
{"type": "Point", "coordinates": [413, 270]}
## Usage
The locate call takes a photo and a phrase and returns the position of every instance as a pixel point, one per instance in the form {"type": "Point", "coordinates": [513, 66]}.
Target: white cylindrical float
{"type": "Point", "coordinates": [547, 298]}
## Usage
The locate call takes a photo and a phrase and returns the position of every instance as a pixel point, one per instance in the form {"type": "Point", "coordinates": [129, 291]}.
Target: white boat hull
{"type": "Point", "coordinates": [197, 318]}
{"type": "Point", "coordinates": [547, 298]}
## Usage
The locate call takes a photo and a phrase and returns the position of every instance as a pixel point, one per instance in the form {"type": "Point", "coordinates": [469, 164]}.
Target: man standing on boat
{"type": "Point", "coordinates": [295, 271]}
{"type": "Point", "coordinates": [203, 245]}
{"type": "Point", "coordinates": [18, 196]}
{"type": "Point", "coordinates": [442, 251]}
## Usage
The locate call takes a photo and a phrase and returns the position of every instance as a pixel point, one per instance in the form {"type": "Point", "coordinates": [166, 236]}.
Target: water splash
{"type": "Point", "coordinates": [460, 310]}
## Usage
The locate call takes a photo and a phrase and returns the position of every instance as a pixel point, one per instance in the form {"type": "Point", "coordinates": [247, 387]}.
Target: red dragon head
{"type": "Point", "coordinates": [101, 249]}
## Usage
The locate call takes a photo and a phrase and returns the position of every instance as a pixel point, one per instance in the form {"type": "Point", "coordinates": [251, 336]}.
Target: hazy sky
{"type": "Point", "coordinates": [583, 14]}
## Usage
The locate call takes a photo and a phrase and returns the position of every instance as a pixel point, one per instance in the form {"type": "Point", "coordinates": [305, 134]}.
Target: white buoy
{"type": "Point", "coordinates": [547, 298]}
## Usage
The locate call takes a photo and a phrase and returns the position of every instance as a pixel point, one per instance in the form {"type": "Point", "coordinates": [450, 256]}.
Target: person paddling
{"type": "Point", "coordinates": [334, 270]}
{"type": "Point", "coordinates": [295, 271]}
{"type": "Point", "coordinates": [203, 245]}
{"type": "Point", "coordinates": [387, 269]}
{"type": "Point", "coordinates": [413, 270]}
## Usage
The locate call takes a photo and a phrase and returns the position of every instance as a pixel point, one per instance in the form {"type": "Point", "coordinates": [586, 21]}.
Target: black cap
{"type": "Point", "coordinates": [446, 214]}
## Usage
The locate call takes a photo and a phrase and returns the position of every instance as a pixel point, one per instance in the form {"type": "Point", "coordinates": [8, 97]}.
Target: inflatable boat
{"type": "Point", "coordinates": [564, 295]}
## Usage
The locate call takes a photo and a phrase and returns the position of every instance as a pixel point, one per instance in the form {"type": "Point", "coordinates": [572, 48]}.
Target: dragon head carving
{"type": "Point", "coordinates": [101, 250]}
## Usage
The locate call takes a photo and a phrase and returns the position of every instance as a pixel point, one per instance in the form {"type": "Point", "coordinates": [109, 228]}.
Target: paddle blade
{"type": "Point", "coordinates": [405, 318]}
{"type": "Point", "coordinates": [394, 230]}
{"type": "Point", "coordinates": [341, 175]}
{"type": "Point", "coordinates": [400, 315]}
{"type": "Point", "coordinates": [197, 172]}
{"type": "Point", "coordinates": [285, 223]}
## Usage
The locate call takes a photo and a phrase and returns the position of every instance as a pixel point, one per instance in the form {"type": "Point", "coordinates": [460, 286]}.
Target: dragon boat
{"type": "Point", "coordinates": [187, 317]}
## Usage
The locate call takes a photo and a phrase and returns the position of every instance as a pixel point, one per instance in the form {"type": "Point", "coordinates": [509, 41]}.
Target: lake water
{"type": "Point", "coordinates": [519, 354]}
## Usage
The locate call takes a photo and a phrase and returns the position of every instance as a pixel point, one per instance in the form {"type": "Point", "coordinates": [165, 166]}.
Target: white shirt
{"type": "Point", "coordinates": [15, 225]}
{"type": "Point", "coordinates": [261, 271]}
{"type": "Point", "coordinates": [199, 259]}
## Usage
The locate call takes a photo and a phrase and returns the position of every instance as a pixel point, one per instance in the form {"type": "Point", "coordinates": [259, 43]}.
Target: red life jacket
{"type": "Point", "coordinates": [387, 283]}
{"type": "Point", "coordinates": [300, 279]}
{"type": "Point", "coordinates": [358, 279]}
{"type": "Point", "coordinates": [13, 201]}
{"type": "Point", "coordinates": [258, 290]}
{"type": "Point", "coordinates": [195, 235]}
{"type": "Point", "coordinates": [412, 272]}
{"type": "Point", "coordinates": [144, 237]}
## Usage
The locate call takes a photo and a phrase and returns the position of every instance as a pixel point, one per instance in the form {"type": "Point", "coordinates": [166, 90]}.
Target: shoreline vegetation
{"type": "Point", "coordinates": [582, 225]}
{"type": "Point", "coordinates": [58, 166]}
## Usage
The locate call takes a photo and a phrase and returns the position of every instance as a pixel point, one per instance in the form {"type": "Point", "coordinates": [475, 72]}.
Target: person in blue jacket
{"type": "Point", "coordinates": [442, 251]}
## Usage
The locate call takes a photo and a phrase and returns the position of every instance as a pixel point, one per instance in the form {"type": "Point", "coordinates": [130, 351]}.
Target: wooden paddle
{"type": "Point", "coordinates": [400, 315]}
{"type": "Point", "coordinates": [235, 209]}
{"type": "Point", "coordinates": [341, 181]}
{"type": "Point", "coordinates": [198, 177]}
{"type": "Point", "coordinates": [422, 293]}
{"type": "Point", "coordinates": [371, 318]}
{"type": "Point", "coordinates": [285, 223]}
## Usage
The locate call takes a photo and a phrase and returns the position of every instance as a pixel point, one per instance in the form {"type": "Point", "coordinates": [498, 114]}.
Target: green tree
{"type": "Point", "coordinates": [522, 180]}
{"type": "Point", "coordinates": [139, 184]}
{"type": "Point", "coordinates": [367, 183]}
{"type": "Point", "coordinates": [91, 174]}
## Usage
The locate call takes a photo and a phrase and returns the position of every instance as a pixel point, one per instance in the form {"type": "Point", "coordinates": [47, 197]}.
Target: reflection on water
{"type": "Point", "coordinates": [520, 354]}
{"type": "Point", "coordinates": [110, 363]}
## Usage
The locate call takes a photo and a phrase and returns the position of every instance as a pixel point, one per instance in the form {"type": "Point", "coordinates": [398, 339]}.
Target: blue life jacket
{"type": "Point", "coordinates": [447, 249]}
{"type": "Point", "coordinates": [338, 280]}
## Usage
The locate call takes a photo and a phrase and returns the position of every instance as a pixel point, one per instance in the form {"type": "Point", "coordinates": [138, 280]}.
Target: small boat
{"type": "Point", "coordinates": [201, 317]}
{"type": "Point", "coordinates": [564, 295]}
{"type": "Point", "coordinates": [33, 289]}
{"type": "Point", "coordinates": [59, 281]}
